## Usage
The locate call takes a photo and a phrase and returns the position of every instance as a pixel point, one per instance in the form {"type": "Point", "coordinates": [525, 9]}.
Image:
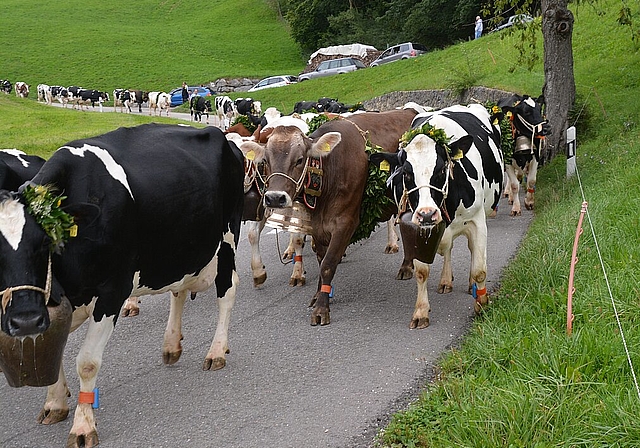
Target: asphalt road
{"type": "Point", "coordinates": [286, 383]}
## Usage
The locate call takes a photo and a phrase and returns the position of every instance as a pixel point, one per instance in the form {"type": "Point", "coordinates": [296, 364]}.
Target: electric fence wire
{"type": "Point", "coordinates": [606, 278]}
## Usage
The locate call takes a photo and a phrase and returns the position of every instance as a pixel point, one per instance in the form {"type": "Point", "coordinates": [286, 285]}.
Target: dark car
{"type": "Point", "coordinates": [333, 67]}
{"type": "Point", "coordinates": [399, 52]}
{"type": "Point", "coordinates": [176, 94]}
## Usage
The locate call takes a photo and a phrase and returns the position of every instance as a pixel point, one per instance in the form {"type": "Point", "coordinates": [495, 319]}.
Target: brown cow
{"type": "Point", "coordinates": [341, 144]}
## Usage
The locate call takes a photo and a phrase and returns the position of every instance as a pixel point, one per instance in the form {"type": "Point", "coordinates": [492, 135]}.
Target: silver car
{"type": "Point", "coordinates": [399, 52]}
{"type": "Point", "coordinates": [333, 67]}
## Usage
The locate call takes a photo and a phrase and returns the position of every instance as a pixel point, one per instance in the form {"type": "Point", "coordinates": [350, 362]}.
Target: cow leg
{"type": "Point", "coordinates": [172, 346]}
{"type": "Point", "coordinates": [131, 308]}
{"type": "Point", "coordinates": [257, 267]}
{"type": "Point", "coordinates": [56, 408]}
{"type": "Point", "coordinates": [216, 357]}
{"type": "Point", "coordinates": [392, 237]}
{"type": "Point", "coordinates": [532, 174]}
{"type": "Point", "coordinates": [446, 277]}
{"type": "Point", "coordinates": [476, 233]}
{"type": "Point", "coordinates": [420, 318]}
{"type": "Point", "coordinates": [294, 252]}
{"type": "Point", "coordinates": [329, 260]}
{"type": "Point", "coordinates": [83, 432]}
{"type": "Point", "coordinates": [514, 185]}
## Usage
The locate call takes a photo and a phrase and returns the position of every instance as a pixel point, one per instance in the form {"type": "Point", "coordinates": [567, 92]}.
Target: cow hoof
{"type": "Point", "coordinates": [445, 289]}
{"type": "Point", "coordinates": [419, 323]}
{"type": "Point", "coordinates": [214, 364]}
{"type": "Point", "coordinates": [405, 273]}
{"type": "Point", "coordinates": [259, 280]}
{"type": "Point", "coordinates": [391, 249]}
{"type": "Point", "coordinates": [528, 206]}
{"type": "Point", "coordinates": [130, 312]}
{"type": "Point", "coordinates": [515, 213]}
{"type": "Point", "coordinates": [51, 416]}
{"type": "Point", "coordinates": [297, 281]}
{"type": "Point", "coordinates": [320, 317]}
{"type": "Point", "coordinates": [83, 440]}
{"type": "Point", "coordinates": [170, 358]}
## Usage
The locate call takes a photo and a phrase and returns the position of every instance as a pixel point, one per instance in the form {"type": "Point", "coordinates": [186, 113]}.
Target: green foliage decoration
{"type": "Point", "coordinates": [317, 121]}
{"type": "Point", "coordinates": [44, 206]}
{"type": "Point", "coordinates": [374, 199]}
{"type": "Point", "coordinates": [507, 144]}
{"type": "Point", "coordinates": [246, 122]}
{"type": "Point", "coordinates": [435, 134]}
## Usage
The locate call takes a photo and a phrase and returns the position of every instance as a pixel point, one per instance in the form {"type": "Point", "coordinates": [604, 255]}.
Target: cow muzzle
{"type": "Point", "coordinates": [277, 199]}
{"type": "Point", "coordinates": [427, 217]}
{"type": "Point", "coordinates": [35, 359]}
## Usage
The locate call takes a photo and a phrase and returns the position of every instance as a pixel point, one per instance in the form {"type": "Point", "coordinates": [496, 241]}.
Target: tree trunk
{"type": "Point", "coordinates": [559, 89]}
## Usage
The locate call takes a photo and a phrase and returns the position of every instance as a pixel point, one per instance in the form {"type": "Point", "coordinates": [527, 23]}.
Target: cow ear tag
{"type": "Point", "coordinates": [458, 155]}
{"type": "Point", "coordinates": [384, 166]}
{"type": "Point", "coordinates": [326, 147]}
{"type": "Point", "coordinates": [73, 231]}
{"type": "Point", "coordinates": [250, 155]}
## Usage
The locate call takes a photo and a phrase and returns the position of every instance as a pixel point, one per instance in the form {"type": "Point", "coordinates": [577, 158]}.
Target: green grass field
{"type": "Point", "coordinates": [517, 380]}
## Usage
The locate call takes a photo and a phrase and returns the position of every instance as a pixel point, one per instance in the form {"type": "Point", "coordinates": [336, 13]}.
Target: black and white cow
{"type": "Point", "coordinates": [84, 97]}
{"type": "Point", "coordinates": [159, 101]}
{"type": "Point", "coordinates": [246, 106]}
{"type": "Point", "coordinates": [225, 110]}
{"type": "Point", "coordinates": [5, 86]}
{"type": "Point", "coordinates": [122, 98]}
{"type": "Point", "coordinates": [60, 94]}
{"type": "Point", "coordinates": [16, 168]}
{"type": "Point", "coordinates": [139, 97]}
{"type": "Point", "coordinates": [126, 244]}
{"type": "Point", "coordinates": [44, 93]}
{"type": "Point", "coordinates": [529, 129]}
{"type": "Point", "coordinates": [199, 106]}
{"type": "Point", "coordinates": [458, 182]}
{"type": "Point", "coordinates": [305, 106]}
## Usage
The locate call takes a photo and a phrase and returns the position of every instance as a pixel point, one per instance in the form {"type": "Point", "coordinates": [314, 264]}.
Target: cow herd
{"type": "Point", "coordinates": [89, 228]}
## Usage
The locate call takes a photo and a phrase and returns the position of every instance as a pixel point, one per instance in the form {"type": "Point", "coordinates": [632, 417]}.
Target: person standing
{"type": "Point", "coordinates": [478, 27]}
{"type": "Point", "coordinates": [185, 92]}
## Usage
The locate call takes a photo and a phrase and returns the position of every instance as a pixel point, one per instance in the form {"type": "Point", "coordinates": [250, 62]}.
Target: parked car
{"type": "Point", "coordinates": [176, 94]}
{"type": "Point", "coordinates": [274, 81]}
{"type": "Point", "coordinates": [518, 18]}
{"type": "Point", "coordinates": [333, 67]}
{"type": "Point", "coordinates": [398, 52]}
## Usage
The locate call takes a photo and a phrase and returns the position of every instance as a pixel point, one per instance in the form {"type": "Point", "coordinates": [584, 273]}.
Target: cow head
{"type": "Point", "coordinates": [421, 172]}
{"type": "Point", "coordinates": [34, 316]}
{"type": "Point", "coordinates": [526, 115]}
{"type": "Point", "coordinates": [285, 158]}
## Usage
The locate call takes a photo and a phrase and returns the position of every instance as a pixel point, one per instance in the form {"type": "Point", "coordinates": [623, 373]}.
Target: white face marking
{"type": "Point", "coordinates": [17, 154]}
{"type": "Point", "coordinates": [531, 102]}
{"type": "Point", "coordinates": [12, 222]}
{"type": "Point", "coordinates": [116, 171]}
{"type": "Point", "coordinates": [421, 153]}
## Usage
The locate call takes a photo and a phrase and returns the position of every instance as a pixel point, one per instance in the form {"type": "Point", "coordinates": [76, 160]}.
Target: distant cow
{"type": "Point", "coordinates": [16, 168]}
{"type": "Point", "coordinates": [44, 93]}
{"type": "Point", "coordinates": [84, 97]}
{"type": "Point", "coordinates": [528, 128]}
{"type": "Point", "coordinates": [198, 107]}
{"type": "Point", "coordinates": [341, 146]}
{"type": "Point", "coordinates": [5, 86]}
{"type": "Point", "coordinates": [159, 101]}
{"type": "Point", "coordinates": [225, 110]}
{"type": "Point", "coordinates": [305, 106]}
{"type": "Point", "coordinates": [450, 171]}
{"type": "Point", "coordinates": [247, 106]}
{"type": "Point", "coordinates": [139, 97]}
{"type": "Point", "coordinates": [60, 94]}
{"type": "Point", "coordinates": [126, 206]}
{"type": "Point", "coordinates": [22, 89]}
{"type": "Point", "coordinates": [122, 98]}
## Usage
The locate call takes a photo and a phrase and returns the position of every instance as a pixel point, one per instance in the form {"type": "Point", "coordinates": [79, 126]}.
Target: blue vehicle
{"type": "Point", "coordinates": [176, 94]}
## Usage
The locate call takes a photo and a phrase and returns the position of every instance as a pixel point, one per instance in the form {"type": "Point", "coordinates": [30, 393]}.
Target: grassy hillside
{"type": "Point", "coordinates": [145, 44]}
{"type": "Point", "coordinates": [517, 380]}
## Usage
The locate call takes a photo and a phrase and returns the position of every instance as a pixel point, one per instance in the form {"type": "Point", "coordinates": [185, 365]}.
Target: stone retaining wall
{"type": "Point", "coordinates": [434, 98]}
